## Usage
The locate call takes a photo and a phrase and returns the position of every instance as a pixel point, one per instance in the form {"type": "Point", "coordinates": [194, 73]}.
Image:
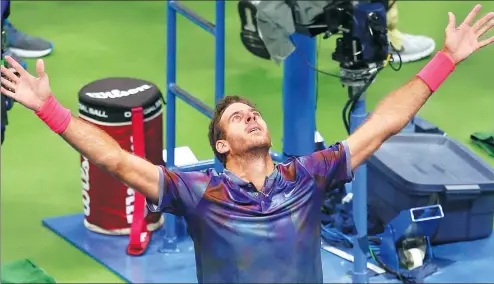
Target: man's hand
{"type": "Point", "coordinates": [26, 89]}
{"type": "Point", "coordinates": [395, 110]}
{"type": "Point", "coordinates": [92, 142]}
{"type": "Point", "coordinates": [460, 42]}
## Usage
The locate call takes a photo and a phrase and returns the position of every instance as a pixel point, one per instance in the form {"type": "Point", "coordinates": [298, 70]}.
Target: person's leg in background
{"type": "Point", "coordinates": [18, 44]}
{"type": "Point", "coordinates": [410, 47]}
{"type": "Point", "coordinates": [24, 45]}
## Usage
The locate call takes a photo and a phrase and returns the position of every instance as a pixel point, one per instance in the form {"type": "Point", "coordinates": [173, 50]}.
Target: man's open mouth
{"type": "Point", "coordinates": [254, 129]}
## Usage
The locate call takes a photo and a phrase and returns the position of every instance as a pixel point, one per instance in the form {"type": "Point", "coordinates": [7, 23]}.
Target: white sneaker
{"type": "Point", "coordinates": [414, 47]}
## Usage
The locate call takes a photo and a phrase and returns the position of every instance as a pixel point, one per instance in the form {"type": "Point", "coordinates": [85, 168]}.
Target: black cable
{"type": "Point", "coordinates": [344, 115]}
{"type": "Point", "coordinates": [315, 68]}
{"type": "Point", "coordinates": [392, 58]}
{"type": "Point", "coordinates": [356, 98]}
{"type": "Point", "coordinates": [350, 104]}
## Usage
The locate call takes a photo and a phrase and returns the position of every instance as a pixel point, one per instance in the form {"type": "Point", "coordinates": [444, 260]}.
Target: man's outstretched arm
{"type": "Point", "coordinates": [394, 112]}
{"type": "Point", "coordinates": [92, 142]}
{"type": "Point", "coordinates": [101, 149]}
{"type": "Point", "coordinates": [390, 116]}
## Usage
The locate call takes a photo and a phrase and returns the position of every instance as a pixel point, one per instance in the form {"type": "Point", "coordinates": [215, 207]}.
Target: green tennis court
{"type": "Point", "coordinates": [96, 39]}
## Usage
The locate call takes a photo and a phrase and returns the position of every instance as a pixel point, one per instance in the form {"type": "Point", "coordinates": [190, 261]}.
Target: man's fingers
{"type": "Point", "coordinates": [16, 65]}
{"type": "Point", "coordinates": [486, 42]}
{"type": "Point", "coordinates": [40, 68]}
{"type": "Point", "coordinates": [7, 83]}
{"type": "Point", "coordinates": [452, 21]}
{"type": "Point", "coordinates": [8, 93]}
{"type": "Point", "coordinates": [9, 74]}
{"type": "Point", "coordinates": [469, 19]}
{"type": "Point", "coordinates": [484, 20]}
{"type": "Point", "coordinates": [485, 28]}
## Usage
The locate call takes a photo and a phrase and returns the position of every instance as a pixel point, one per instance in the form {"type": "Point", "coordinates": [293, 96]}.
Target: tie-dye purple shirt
{"type": "Point", "coordinates": [242, 235]}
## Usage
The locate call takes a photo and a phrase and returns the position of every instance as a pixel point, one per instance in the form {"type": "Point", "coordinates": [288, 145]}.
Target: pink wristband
{"type": "Point", "coordinates": [437, 70]}
{"type": "Point", "coordinates": [54, 115]}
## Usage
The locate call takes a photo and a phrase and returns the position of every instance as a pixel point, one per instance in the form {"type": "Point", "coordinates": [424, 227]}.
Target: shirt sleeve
{"type": "Point", "coordinates": [179, 191]}
{"type": "Point", "coordinates": [330, 166]}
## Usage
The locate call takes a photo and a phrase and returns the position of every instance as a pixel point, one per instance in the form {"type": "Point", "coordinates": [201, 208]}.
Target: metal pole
{"type": "Point", "coordinates": [170, 238]}
{"type": "Point", "coordinates": [171, 69]}
{"type": "Point", "coordinates": [359, 190]}
{"type": "Point", "coordinates": [219, 61]}
{"type": "Point", "coordinates": [299, 98]}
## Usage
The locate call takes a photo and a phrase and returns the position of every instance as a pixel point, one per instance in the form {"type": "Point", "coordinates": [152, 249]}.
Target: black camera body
{"type": "Point", "coordinates": [363, 26]}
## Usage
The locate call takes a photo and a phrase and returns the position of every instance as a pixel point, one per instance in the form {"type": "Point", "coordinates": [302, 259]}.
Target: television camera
{"type": "Point", "coordinates": [362, 50]}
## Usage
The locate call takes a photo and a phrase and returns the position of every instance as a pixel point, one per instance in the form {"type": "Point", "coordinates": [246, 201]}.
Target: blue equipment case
{"type": "Point", "coordinates": [414, 170]}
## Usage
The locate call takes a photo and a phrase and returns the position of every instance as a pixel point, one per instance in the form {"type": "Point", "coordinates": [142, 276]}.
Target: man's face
{"type": "Point", "coordinates": [245, 130]}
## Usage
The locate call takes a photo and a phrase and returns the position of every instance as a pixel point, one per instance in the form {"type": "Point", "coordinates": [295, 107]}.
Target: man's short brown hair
{"type": "Point", "coordinates": [216, 132]}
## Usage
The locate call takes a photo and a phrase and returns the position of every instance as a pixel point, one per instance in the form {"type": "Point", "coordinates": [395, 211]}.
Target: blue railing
{"type": "Point", "coordinates": [174, 91]}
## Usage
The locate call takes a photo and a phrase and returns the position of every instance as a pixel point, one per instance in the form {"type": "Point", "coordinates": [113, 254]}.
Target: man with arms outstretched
{"type": "Point", "coordinates": [256, 222]}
